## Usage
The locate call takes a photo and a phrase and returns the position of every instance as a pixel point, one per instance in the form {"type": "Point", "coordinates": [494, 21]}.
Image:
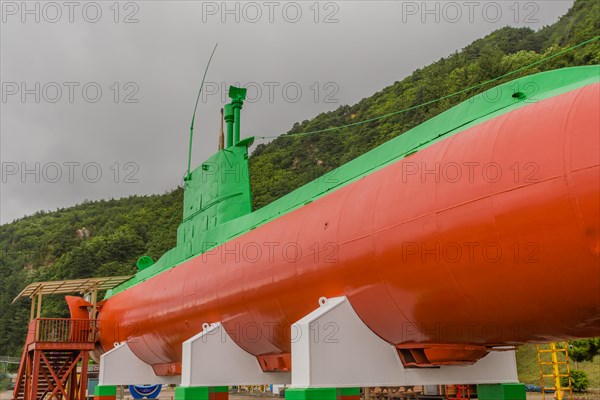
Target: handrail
{"type": "Point", "coordinates": [65, 330]}
{"type": "Point", "coordinates": [9, 360]}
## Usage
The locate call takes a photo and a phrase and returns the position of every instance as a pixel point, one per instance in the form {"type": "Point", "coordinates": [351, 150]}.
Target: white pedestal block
{"type": "Point", "coordinates": [332, 347]}
{"type": "Point", "coordinates": [121, 367]}
{"type": "Point", "coordinates": [212, 358]}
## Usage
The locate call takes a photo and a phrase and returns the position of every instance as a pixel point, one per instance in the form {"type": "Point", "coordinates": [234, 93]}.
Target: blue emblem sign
{"type": "Point", "coordinates": [145, 391]}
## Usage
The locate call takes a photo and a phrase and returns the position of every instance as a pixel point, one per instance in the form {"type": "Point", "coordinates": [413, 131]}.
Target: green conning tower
{"type": "Point", "coordinates": [219, 189]}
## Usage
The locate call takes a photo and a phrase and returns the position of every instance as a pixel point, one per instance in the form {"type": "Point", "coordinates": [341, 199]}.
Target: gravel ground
{"type": "Point", "coordinates": [168, 395]}
{"type": "Point", "coordinates": [5, 395]}
{"type": "Point", "coordinates": [165, 395]}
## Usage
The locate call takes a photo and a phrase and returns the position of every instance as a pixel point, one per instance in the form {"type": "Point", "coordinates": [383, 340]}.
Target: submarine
{"type": "Point", "coordinates": [476, 230]}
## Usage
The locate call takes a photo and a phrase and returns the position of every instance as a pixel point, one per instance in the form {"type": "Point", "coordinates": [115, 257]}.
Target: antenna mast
{"type": "Point", "coordinates": [187, 176]}
{"type": "Point", "coordinates": [221, 134]}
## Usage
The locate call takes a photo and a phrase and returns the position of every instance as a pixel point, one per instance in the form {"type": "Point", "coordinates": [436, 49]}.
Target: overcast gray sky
{"type": "Point", "coordinates": [97, 97]}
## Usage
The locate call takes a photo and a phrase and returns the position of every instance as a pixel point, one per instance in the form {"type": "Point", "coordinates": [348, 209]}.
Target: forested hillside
{"type": "Point", "coordinates": [106, 237]}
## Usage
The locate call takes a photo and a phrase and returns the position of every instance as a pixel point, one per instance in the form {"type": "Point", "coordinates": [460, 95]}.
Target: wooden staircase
{"type": "Point", "coordinates": [55, 358]}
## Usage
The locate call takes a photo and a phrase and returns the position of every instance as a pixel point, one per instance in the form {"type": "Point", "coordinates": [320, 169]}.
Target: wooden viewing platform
{"type": "Point", "coordinates": [56, 348]}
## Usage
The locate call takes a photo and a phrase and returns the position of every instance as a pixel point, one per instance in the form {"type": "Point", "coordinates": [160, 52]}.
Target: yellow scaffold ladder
{"type": "Point", "coordinates": [559, 362]}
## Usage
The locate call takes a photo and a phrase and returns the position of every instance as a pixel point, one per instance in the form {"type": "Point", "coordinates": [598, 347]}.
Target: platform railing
{"type": "Point", "coordinates": [65, 330]}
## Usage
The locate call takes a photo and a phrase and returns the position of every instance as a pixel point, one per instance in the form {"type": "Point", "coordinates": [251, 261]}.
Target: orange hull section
{"type": "Point", "coordinates": [487, 238]}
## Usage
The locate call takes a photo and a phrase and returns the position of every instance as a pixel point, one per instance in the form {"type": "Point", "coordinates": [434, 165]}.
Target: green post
{"type": "Point", "coordinates": [237, 107]}
{"type": "Point", "coordinates": [105, 393]}
{"type": "Point", "coordinates": [322, 393]}
{"type": "Point", "coordinates": [229, 118]}
{"type": "Point", "coordinates": [202, 393]}
{"type": "Point", "coordinates": [237, 95]}
{"type": "Point", "coordinates": [501, 391]}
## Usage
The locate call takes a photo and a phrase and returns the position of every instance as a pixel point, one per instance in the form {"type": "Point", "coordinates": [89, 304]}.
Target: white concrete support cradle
{"type": "Point", "coordinates": [212, 358]}
{"type": "Point", "coordinates": [121, 367]}
{"type": "Point", "coordinates": [332, 347]}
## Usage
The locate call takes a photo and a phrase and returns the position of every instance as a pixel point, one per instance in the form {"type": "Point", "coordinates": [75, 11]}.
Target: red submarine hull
{"type": "Point", "coordinates": [488, 238]}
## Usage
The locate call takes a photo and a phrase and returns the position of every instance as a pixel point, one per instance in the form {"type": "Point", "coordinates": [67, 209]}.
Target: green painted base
{"type": "Point", "coordinates": [501, 391]}
{"type": "Point", "coordinates": [105, 392]}
{"type": "Point", "coordinates": [202, 393]}
{"type": "Point", "coordinates": [322, 394]}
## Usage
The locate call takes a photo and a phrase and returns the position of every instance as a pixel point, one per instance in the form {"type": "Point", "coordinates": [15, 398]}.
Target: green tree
{"type": "Point", "coordinates": [584, 350]}
{"type": "Point", "coordinates": [579, 381]}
